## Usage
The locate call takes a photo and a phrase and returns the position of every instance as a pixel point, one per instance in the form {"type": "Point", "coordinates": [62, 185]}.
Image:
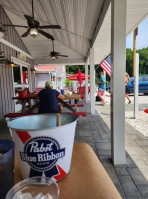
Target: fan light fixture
{"type": "Point", "coordinates": [33, 32]}
{"type": "Point", "coordinates": [53, 57]}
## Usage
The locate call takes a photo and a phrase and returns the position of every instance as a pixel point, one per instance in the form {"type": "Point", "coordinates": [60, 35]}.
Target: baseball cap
{"type": "Point", "coordinates": [48, 84]}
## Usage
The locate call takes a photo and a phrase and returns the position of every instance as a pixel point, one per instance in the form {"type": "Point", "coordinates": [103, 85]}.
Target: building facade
{"type": "Point", "coordinates": [13, 78]}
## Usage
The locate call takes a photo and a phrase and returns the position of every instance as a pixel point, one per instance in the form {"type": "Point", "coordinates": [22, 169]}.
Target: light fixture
{"type": "Point", "coordinates": [9, 62]}
{"type": "Point", "coordinates": [33, 32]}
{"type": "Point", "coordinates": [33, 70]}
{"type": "Point", "coordinates": [53, 57]}
{"type": "Point", "coordinates": [12, 64]}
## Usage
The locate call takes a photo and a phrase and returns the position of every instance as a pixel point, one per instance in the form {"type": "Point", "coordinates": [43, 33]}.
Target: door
{"type": "Point", "coordinates": [41, 78]}
{"type": "Point", "coordinates": [21, 79]}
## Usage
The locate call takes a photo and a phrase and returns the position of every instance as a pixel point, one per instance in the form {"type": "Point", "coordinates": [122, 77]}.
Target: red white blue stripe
{"type": "Point", "coordinates": [106, 65]}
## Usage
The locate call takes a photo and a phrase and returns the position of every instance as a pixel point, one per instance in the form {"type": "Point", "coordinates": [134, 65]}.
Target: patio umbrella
{"type": "Point", "coordinates": [76, 77]}
{"type": "Point", "coordinates": [72, 78]}
{"type": "Point", "coordinates": [80, 76]}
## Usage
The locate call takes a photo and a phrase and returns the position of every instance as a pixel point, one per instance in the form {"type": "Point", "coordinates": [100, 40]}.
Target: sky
{"type": "Point", "coordinates": [142, 37]}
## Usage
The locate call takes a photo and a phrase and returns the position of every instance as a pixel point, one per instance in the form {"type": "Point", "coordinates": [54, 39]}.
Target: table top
{"type": "Point", "coordinates": [67, 97]}
{"type": "Point", "coordinates": [87, 178]}
{"type": "Point", "coordinates": [74, 96]}
{"type": "Point", "coordinates": [24, 98]}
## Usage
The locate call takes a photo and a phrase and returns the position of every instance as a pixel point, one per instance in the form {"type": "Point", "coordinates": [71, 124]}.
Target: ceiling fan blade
{"type": "Point", "coordinates": [15, 25]}
{"type": "Point", "coordinates": [26, 33]}
{"type": "Point", "coordinates": [45, 34]}
{"type": "Point", "coordinates": [53, 53]}
{"type": "Point", "coordinates": [31, 22]}
{"type": "Point", "coordinates": [50, 26]}
{"type": "Point", "coordinates": [57, 53]}
{"type": "Point", "coordinates": [29, 18]}
{"type": "Point", "coordinates": [62, 55]}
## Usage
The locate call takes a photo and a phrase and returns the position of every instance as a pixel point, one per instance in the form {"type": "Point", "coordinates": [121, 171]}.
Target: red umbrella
{"type": "Point", "coordinates": [76, 77]}
{"type": "Point", "coordinates": [72, 78]}
{"type": "Point", "coordinates": [80, 76]}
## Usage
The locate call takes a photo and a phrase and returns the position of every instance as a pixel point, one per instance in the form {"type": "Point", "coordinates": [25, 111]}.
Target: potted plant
{"type": "Point", "coordinates": [68, 82]}
{"type": "Point", "coordinates": [2, 58]}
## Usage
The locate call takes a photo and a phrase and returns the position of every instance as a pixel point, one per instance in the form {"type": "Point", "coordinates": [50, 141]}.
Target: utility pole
{"type": "Point", "coordinates": [135, 74]}
{"type": "Point", "coordinates": [134, 50]}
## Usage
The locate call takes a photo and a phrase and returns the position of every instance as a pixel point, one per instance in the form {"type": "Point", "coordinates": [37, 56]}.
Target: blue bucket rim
{"type": "Point", "coordinates": [9, 123]}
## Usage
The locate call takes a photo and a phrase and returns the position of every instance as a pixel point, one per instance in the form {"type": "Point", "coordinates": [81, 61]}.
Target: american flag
{"type": "Point", "coordinates": [106, 65]}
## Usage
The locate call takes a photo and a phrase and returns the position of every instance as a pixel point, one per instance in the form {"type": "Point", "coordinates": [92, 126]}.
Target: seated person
{"type": "Point", "coordinates": [48, 100]}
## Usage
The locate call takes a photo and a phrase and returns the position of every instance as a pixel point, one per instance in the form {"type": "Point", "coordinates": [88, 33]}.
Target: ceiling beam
{"type": "Point", "coordinates": [103, 12]}
{"type": "Point", "coordinates": [15, 48]}
{"type": "Point", "coordinates": [60, 61]}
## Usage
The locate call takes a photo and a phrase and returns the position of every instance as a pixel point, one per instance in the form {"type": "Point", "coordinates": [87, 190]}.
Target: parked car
{"type": "Point", "coordinates": [108, 88]}
{"type": "Point", "coordinates": [143, 84]}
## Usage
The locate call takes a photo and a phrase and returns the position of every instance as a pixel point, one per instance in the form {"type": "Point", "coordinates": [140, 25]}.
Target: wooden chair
{"type": "Point", "coordinates": [39, 89]}
{"type": "Point", "coordinates": [82, 91]}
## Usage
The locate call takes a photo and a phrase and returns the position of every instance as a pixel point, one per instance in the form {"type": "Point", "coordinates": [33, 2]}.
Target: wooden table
{"type": "Point", "coordinates": [87, 178]}
{"type": "Point", "coordinates": [24, 101]}
{"type": "Point", "coordinates": [74, 97]}
{"type": "Point", "coordinates": [31, 107]}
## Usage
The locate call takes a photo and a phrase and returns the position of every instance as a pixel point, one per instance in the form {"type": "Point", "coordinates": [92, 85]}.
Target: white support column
{"type": "Point", "coordinates": [86, 81]}
{"type": "Point", "coordinates": [104, 73]}
{"type": "Point", "coordinates": [118, 65]}
{"type": "Point", "coordinates": [136, 87]}
{"type": "Point", "coordinates": [92, 81]}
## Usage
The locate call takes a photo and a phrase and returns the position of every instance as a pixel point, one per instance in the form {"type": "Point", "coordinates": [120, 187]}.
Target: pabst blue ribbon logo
{"type": "Point", "coordinates": [42, 153]}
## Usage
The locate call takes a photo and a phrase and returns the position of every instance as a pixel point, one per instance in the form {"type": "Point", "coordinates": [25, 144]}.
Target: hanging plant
{"type": "Point", "coordinates": [1, 28]}
{"type": "Point", "coordinates": [2, 58]}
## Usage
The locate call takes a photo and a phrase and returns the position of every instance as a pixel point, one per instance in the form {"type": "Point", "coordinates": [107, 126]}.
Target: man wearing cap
{"type": "Point", "coordinates": [102, 87]}
{"type": "Point", "coordinates": [48, 100]}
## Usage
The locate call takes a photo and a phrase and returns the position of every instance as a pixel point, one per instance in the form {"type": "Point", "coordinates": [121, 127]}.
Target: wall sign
{"type": "Point", "coordinates": [21, 56]}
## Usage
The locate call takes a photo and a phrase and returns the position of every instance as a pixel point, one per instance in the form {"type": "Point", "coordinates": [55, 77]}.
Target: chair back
{"type": "Point", "coordinates": [81, 90]}
{"type": "Point", "coordinates": [39, 89]}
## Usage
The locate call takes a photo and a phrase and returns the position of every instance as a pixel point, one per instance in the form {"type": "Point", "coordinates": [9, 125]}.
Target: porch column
{"type": "Point", "coordinates": [118, 65]}
{"type": "Point", "coordinates": [86, 81]}
{"type": "Point", "coordinates": [92, 81]}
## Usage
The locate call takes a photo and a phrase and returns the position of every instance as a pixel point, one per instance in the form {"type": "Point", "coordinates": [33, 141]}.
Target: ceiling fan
{"type": "Point", "coordinates": [54, 55]}
{"type": "Point", "coordinates": [34, 27]}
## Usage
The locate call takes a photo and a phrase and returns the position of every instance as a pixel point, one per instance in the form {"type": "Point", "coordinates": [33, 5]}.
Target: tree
{"type": "Point", "coordinates": [74, 69]}
{"type": "Point", "coordinates": [143, 61]}
{"type": "Point", "coordinates": [129, 61]}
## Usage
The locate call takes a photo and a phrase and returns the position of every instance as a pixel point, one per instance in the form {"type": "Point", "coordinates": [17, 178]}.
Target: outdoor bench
{"type": "Point", "coordinates": [87, 178]}
{"type": "Point", "coordinates": [76, 113]}
{"type": "Point", "coordinates": [76, 105]}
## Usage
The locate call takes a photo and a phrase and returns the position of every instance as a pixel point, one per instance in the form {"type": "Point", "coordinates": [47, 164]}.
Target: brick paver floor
{"type": "Point", "coordinates": [130, 179]}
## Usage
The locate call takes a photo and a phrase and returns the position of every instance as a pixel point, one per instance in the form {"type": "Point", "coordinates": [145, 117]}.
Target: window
{"type": "Point", "coordinates": [16, 74]}
{"type": "Point", "coordinates": [145, 78]}
{"type": "Point", "coordinates": [21, 78]}
{"type": "Point", "coordinates": [140, 78]}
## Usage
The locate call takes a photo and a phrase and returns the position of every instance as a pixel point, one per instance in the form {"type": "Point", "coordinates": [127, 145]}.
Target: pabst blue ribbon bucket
{"type": "Point", "coordinates": [43, 148]}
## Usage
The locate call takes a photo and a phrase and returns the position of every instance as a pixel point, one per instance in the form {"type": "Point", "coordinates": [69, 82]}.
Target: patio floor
{"type": "Point", "coordinates": [130, 179]}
